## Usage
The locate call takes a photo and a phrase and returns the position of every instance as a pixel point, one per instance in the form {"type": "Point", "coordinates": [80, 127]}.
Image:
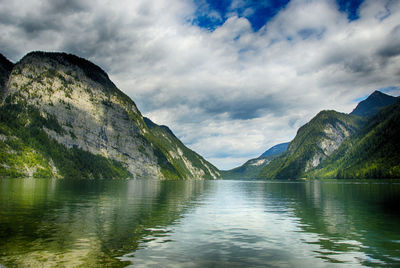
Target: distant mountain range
{"type": "Point", "coordinates": [276, 150]}
{"type": "Point", "coordinates": [252, 168]}
{"type": "Point", "coordinates": [61, 116]}
{"type": "Point", "coordinates": [362, 144]}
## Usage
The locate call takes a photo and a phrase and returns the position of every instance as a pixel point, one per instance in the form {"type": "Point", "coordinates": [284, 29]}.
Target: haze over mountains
{"type": "Point", "coordinates": [61, 116]}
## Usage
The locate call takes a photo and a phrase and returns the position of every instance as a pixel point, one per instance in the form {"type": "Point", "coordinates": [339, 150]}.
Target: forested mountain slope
{"type": "Point", "coordinates": [61, 116]}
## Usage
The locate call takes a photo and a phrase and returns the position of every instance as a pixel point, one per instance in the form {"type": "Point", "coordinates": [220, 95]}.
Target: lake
{"type": "Point", "coordinates": [150, 223]}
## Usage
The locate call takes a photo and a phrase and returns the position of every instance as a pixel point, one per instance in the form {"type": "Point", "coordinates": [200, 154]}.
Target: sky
{"type": "Point", "coordinates": [231, 78]}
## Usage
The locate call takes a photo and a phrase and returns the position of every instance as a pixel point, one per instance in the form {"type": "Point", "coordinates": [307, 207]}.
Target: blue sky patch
{"type": "Point", "coordinates": [211, 14]}
{"type": "Point", "coordinates": [357, 100]}
{"type": "Point", "coordinates": [391, 89]}
{"type": "Point", "coordinates": [351, 7]}
{"type": "Point", "coordinates": [257, 12]}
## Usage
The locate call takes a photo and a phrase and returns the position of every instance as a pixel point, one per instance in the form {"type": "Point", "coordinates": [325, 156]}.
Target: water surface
{"type": "Point", "coordinates": [199, 223]}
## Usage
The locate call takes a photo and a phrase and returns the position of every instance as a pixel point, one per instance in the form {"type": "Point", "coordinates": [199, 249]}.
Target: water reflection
{"type": "Point", "coordinates": [283, 224]}
{"type": "Point", "coordinates": [74, 223]}
{"type": "Point", "coordinates": [343, 222]}
{"type": "Point", "coordinates": [351, 217]}
{"type": "Point", "coordinates": [199, 223]}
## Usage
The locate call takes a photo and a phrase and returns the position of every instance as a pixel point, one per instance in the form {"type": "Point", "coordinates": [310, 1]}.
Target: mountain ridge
{"type": "Point", "coordinates": [371, 105]}
{"type": "Point", "coordinates": [61, 116]}
{"type": "Point", "coordinates": [318, 147]}
{"type": "Point", "coordinates": [373, 152]}
{"type": "Point", "coordinates": [276, 149]}
{"type": "Point", "coordinates": [71, 109]}
{"type": "Point", "coordinates": [326, 147]}
{"type": "Point", "coordinates": [251, 168]}
{"type": "Point", "coordinates": [313, 143]}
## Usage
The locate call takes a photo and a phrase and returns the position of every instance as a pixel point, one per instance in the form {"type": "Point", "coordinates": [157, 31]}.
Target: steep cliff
{"type": "Point", "coordinates": [372, 152]}
{"type": "Point", "coordinates": [68, 104]}
{"type": "Point", "coordinates": [363, 144]}
{"type": "Point", "coordinates": [314, 142]}
{"type": "Point", "coordinates": [185, 161]}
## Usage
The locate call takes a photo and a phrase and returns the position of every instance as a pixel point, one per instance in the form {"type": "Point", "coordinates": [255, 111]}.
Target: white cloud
{"type": "Point", "coordinates": [231, 93]}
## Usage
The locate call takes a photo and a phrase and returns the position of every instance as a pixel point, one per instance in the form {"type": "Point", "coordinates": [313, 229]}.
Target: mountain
{"type": "Point", "coordinates": [251, 169]}
{"type": "Point", "coordinates": [371, 105]}
{"type": "Point", "coordinates": [314, 142]}
{"type": "Point", "coordinates": [276, 150]}
{"type": "Point", "coordinates": [362, 144]}
{"type": "Point", "coordinates": [373, 152]}
{"type": "Point", "coordinates": [183, 160]}
{"type": "Point", "coordinates": [6, 67]}
{"type": "Point", "coordinates": [61, 116]}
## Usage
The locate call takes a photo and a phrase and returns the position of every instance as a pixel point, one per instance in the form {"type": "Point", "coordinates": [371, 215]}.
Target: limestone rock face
{"type": "Point", "coordinates": [314, 143]}
{"type": "Point", "coordinates": [94, 115]}
{"type": "Point", "coordinates": [182, 158]}
{"type": "Point", "coordinates": [334, 134]}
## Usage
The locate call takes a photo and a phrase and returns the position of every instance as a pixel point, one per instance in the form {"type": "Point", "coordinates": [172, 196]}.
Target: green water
{"type": "Point", "coordinates": [146, 223]}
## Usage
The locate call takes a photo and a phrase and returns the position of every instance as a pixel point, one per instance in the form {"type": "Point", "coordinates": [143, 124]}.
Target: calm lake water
{"type": "Point", "coordinates": [148, 223]}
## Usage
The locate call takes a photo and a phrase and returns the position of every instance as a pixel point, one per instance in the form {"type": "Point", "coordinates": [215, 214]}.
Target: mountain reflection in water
{"type": "Point", "coordinates": [199, 223]}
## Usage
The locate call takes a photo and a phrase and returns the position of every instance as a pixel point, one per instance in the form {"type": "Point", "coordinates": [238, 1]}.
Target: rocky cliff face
{"type": "Point", "coordinates": [183, 160]}
{"type": "Point", "coordinates": [372, 152]}
{"type": "Point", "coordinates": [333, 134]}
{"type": "Point", "coordinates": [313, 143]}
{"type": "Point", "coordinates": [93, 115]}
{"type": "Point", "coordinates": [362, 144]}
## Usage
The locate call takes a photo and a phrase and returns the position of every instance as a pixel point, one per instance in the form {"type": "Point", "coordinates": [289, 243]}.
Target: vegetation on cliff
{"type": "Point", "coordinates": [61, 116]}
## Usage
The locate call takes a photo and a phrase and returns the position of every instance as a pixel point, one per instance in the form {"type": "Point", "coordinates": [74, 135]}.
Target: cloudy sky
{"type": "Point", "coordinates": [230, 77]}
